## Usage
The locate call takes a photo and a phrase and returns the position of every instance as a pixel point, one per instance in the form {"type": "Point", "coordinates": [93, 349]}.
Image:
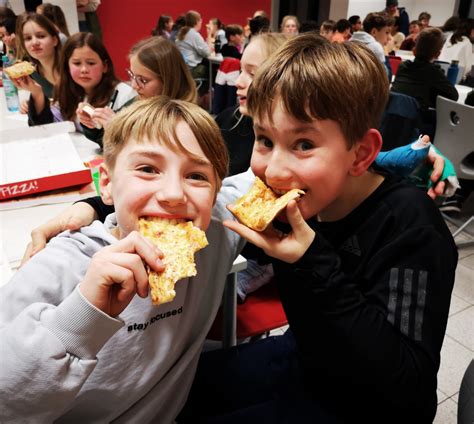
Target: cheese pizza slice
{"type": "Point", "coordinates": [19, 69]}
{"type": "Point", "coordinates": [178, 240]}
{"type": "Point", "coordinates": [260, 205]}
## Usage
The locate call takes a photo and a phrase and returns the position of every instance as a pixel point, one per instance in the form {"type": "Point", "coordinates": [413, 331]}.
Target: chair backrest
{"type": "Point", "coordinates": [225, 91]}
{"type": "Point", "coordinates": [400, 121]}
{"type": "Point", "coordinates": [455, 135]}
{"type": "Point", "coordinates": [394, 63]}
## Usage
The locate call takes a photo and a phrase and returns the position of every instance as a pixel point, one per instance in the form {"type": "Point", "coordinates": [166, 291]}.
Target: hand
{"type": "Point", "coordinates": [117, 273]}
{"type": "Point", "coordinates": [437, 161]}
{"type": "Point", "coordinates": [84, 118]}
{"type": "Point", "coordinates": [29, 84]}
{"type": "Point", "coordinates": [74, 217]}
{"type": "Point", "coordinates": [103, 115]}
{"type": "Point", "coordinates": [24, 107]}
{"type": "Point", "coordinates": [9, 41]}
{"type": "Point", "coordinates": [286, 247]}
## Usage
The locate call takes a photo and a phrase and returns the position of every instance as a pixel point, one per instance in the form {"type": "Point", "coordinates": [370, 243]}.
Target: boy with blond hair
{"type": "Point", "coordinates": [81, 341]}
{"type": "Point", "coordinates": [364, 262]}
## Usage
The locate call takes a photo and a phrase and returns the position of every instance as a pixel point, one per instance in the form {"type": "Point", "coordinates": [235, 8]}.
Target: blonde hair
{"type": "Point", "coordinates": [271, 41]}
{"type": "Point", "coordinates": [163, 58]}
{"type": "Point", "coordinates": [287, 18]}
{"type": "Point", "coordinates": [316, 79]}
{"type": "Point", "coordinates": [156, 119]}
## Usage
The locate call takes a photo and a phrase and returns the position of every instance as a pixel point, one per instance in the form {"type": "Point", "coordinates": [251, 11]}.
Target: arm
{"type": "Point", "coordinates": [442, 87]}
{"type": "Point", "coordinates": [51, 347]}
{"type": "Point", "coordinates": [200, 45]}
{"type": "Point", "coordinates": [352, 337]}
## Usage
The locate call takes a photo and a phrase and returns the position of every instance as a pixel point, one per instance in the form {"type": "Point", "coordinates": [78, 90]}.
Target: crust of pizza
{"type": "Point", "coordinates": [19, 69]}
{"type": "Point", "coordinates": [178, 241]}
{"type": "Point", "coordinates": [260, 205]}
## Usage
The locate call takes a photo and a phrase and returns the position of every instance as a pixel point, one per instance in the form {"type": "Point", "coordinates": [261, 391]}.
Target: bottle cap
{"type": "Point", "coordinates": [455, 62]}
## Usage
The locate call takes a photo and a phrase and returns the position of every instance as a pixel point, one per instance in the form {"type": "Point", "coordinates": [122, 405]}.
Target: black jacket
{"type": "Point", "coordinates": [424, 81]}
{"type": "Point", "coordinates": [368, 305]}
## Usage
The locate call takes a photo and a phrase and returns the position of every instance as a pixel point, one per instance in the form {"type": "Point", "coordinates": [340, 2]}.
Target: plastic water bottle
{"type": "Point", "coordinates": [453, 71]}
{"type": "Point", "coordinates": [11, 92]}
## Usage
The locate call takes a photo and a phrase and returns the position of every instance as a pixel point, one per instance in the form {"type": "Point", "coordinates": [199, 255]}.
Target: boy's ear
{"type": "Point", "coordinates": [105, 184]}
{"type": "Point", "coordinates": [366, 150]}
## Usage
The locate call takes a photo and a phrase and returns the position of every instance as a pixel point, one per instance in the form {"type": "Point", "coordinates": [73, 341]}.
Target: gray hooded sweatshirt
{"type": "Point", "coordinates": [63, 360]}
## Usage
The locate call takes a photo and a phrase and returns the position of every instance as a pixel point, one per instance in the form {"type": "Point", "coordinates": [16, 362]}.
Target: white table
{"type": "Point", "coordinates": [16, 225]}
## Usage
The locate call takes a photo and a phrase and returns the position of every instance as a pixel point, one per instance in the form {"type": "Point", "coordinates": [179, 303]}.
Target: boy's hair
{"type": "Point", "coordinates": [259, 24]}
{"type": "Point", "coordinates": [354, 19]}
{"type": "Point", "coordinates": [48, 26]}
{"type": "Point", "coordinates": [56, 15]}
{"type": "Point", "coordinates": [316, 79]}
{"type": "Point", "coordinates": [328, 26]}
{"type": "Point", "coordinates": [163, 58]}
{"type": "Point", "coordinates": [233, 29]}
{"type": "Point", "coordinates": [68, 93]}
{"type": "Point", "coordinates": [271, 41]}
{"type": "Point", "coordinates": [415, 22]}
{"type": "Point", "coordinates": [424, 15]}
{"type": "Point", "coordinates": [9, 24]}
{"type": "Point", "coordinates": [429, 43]}
{"type": "Point", "coordinates": [342, 25]}
{"type": "Point", "coordinates": [155, 119]}
{"type": "Point", "coordinates": [375, 20]}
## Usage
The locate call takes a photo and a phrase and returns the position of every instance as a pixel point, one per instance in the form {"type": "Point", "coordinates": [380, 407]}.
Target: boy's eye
{"type": "Point", "coordinates": [147, 169]}
{"type": "Point", "coordinates": [198, 176]}
{"type": "Point", "coordinates": [265, 142]}
{"type": "Point", "coordinates": [304, 145]}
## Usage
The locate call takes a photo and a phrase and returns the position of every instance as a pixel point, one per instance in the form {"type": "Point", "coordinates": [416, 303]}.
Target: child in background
{"type": "Point", "coordinates": [421, 78]}
{"type": "Point", "coordinates": [327, 29]}
{"type": "Point", "coordinates": [7, 36]}
{"type": "Point", "coordinates": [234, 35]}
{"type": "Point", "coordinates": [164, 26]}
{"type": "Point", "coordinates": [396, 38]}
{"type": "Point", "coordinates": [375, 36]}
{"type": "Point", "coordinates": [86, 341]}
{"type": "Point", "coordinates": [55, 14]}
{"type": "Point", "coordinates": [364, 262]}
{"type": "Point", "coordinates": [290, 25]}
{"type": "Point", "coordinates": [410, 40]}
{"type": "Point", "coordinates": [156, 67]}
{"type": "Point", "coordinates": [39, 38]}
{"type": "Point", "coordinates": [342, 32]}
{"type": "Point", "coordinates": [86, 74]}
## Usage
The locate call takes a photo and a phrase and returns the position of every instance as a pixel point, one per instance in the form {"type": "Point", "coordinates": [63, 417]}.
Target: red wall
{"type": "Point", "coordinates": [124, 22]}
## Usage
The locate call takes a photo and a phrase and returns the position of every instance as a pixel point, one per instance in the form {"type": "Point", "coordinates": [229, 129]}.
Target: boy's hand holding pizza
{"type": "Point", "coordinates": [117, 273]}
{"type": "Point", "coordinates": [257, 209]}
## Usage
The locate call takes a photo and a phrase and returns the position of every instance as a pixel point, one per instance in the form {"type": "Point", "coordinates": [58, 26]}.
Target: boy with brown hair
{"type": "Point", "coordinates": [421, 78]}
{"type": "Point", "coordinates": [235, 38]}
{"type": "Point", "coordinates": [81, 340]}
{"type": "Point", "coordinates": [364, 262]}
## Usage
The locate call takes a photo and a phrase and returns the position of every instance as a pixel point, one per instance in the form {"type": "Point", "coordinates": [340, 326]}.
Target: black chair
{"type": "Point", "coordinates": [466, 397]}
{"type": "Point", "coordinates": [401, 121]}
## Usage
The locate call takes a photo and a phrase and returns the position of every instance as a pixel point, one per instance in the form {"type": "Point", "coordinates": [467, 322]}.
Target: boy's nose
{"type": "Point", "coordinates": [171, 192]}
{"type": "Point", "coordinates": [277, 170]}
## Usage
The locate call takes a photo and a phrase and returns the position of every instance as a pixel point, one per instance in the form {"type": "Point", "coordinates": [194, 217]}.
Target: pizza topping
{"type": "Point", "coordinates": [19, 69]}
{"type": "Point", "coordinates": [260, 205]}
{"type": "Point", "coordinates": [178, 240]}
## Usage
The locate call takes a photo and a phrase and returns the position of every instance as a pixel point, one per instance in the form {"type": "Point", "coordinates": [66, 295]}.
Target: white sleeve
{"type": "Point", "coordinates": [50, 336]}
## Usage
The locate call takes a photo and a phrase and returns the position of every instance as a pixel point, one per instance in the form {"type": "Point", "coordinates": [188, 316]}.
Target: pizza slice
{"type": "Point", "coordinates": [19, 69]}
{"type": "Point", "coordinates": [260, 205]}
{"type": "Point", "coordinates": [178, 240]}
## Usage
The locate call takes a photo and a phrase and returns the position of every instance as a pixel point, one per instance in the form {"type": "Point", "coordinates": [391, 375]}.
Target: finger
{"type": "Point", "coordinates": [136, 243]}
{"type": "Point", "coordinates": [298, 224]}
{"type": "Point", "coordinates": [438, 165]}
{"type": "Point", "coordinates": [252, 236]}
{"type": "Point", "coordinates": [39, 237]}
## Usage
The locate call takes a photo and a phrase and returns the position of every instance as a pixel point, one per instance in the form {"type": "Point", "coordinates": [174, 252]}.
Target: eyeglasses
{"type": "Point", "coordinates": [140, 81]}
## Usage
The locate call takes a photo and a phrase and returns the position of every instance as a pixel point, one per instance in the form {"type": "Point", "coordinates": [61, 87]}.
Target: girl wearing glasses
{"type": "Point", "coordinates": [156, 67]}
{"type": "Point", "coordinates": [86, 75]}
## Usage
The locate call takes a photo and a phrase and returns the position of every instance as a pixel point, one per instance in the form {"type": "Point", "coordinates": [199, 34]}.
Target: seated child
{"type": "Point", "coordinates": [86, 75]}
{"type": "Point", "coordinates": [234, 35]}
{"type": "Point", "coordinates": [421, 78]}
{"type": "Point", "coordinates": [364, 262]}
{"type": "Point", "coordinates": [81, 342]}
